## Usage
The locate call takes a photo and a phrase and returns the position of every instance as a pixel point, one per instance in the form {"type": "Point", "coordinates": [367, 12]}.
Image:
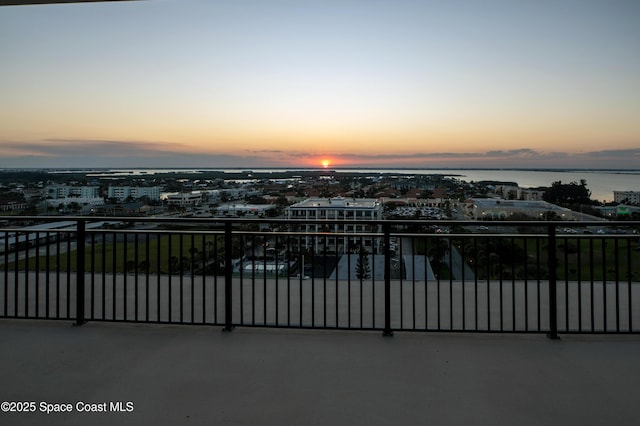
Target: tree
{"type": "Point", "coordinates": [572, 193]}
{"type": "Point", "coordinates": [550, 216]}
{"type": "Point", "coordinates": [437, 251]}
{"type": "Point", "coordinates": [363, 271]}
{"type": "Point", "coordinates": [282, 202]}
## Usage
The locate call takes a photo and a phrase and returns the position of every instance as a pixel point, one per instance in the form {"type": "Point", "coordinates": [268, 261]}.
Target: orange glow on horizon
{"type": "Point", "coordinates": [325, 163]}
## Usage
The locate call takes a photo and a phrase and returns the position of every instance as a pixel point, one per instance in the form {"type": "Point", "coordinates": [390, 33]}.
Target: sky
{"type": "Point", "coordinates": [313, 83]}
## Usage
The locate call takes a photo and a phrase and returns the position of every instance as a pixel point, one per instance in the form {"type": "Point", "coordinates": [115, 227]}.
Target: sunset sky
{"type": "Point", "coordinates": [293, 83]}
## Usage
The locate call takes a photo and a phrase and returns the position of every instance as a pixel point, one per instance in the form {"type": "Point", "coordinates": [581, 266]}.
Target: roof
{"type": "Point", "coordinates": [487, 203]}
{"type": "Point", "coordinates": [338, 203]}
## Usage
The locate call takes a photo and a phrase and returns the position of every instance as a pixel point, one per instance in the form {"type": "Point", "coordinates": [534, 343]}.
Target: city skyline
{"type": "Point", "coordinates": [321, 84]}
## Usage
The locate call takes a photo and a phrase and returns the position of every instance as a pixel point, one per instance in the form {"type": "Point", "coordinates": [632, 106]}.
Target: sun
{"type": "Point", "coordinates": [325, 163]}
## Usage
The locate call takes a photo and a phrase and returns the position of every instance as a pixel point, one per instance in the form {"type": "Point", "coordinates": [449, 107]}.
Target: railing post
{"type": "Point", "coordinates": [80, 270]}
{"type": "Point", "coordinates": [387, 282]}
{"type": "Point", "coordinates": [228, 276]}
{"type": "Point", "coordinates": [553, 295]}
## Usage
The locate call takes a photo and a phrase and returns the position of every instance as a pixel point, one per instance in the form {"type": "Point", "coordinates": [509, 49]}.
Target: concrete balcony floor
{"type": "Point", "coordinates": [198, 375]}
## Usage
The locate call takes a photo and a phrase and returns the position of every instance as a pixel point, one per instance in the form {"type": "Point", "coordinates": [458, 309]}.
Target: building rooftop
{"type": "Point", "coordinates": [201, 375]}
{"type": "Point", "coordinates": [520, 204]}
{"type": "Point", "coordinates": [338, 202]}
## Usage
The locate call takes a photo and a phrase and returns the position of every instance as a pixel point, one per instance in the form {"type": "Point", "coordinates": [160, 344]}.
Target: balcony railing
{"type": "Point", "coordinates": [524, 277]}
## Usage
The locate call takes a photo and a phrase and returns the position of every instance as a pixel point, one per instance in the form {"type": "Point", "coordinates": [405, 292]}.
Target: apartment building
{"type": "Point", "coordinates": [121, 193]}
{"type": "Point", "coordinates": [66, 191]}
{"type": "Point", "coordinates": [185, 199]}
{"type": "Point", "coordinates": [511, 192]}
{"type": "Point", "coordinates": [343, 209]}
{"type": "Point", "coordinates": [627, 197]}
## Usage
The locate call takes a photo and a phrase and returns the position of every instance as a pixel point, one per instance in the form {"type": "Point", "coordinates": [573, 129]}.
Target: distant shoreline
{"type": "Point", "coordinates": [601, 182]}
{"type": "Point", "coordinates": [319, 169]}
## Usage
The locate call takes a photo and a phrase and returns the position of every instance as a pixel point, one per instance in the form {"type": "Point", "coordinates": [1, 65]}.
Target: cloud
{"type": "Point", "coordinates": [59, 147]}
{"type": "Point", "coordinates": [87, 148]}
{"type": "Point", "coordinates": [268, 151]}
{"type": "Point", "coordinates": [75, 153]}
{"type": "Point", "coordinates": [516, 153]}
{"type": "Point", "coordinates": [72, 153]}
{"type": "Point", "coordinates": [614, 153]}
{"type": "Point", "coordinates": [513, 158]}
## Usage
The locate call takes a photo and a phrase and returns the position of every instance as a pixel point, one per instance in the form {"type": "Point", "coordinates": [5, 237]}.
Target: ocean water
{"type": "Point", "coordinates": [601, 183]}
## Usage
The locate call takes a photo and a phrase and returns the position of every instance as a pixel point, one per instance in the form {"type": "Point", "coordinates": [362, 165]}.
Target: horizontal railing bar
{"type": "Point", "coordinates": [210, 220]}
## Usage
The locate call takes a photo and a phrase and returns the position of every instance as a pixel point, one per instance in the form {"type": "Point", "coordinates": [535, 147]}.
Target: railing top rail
{"type": "Point", "coordinates": [390, 222]}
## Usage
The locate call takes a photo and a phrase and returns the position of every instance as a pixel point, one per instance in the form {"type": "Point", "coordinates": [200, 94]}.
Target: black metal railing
{"type": "Point", "coordinates": [539, 277]}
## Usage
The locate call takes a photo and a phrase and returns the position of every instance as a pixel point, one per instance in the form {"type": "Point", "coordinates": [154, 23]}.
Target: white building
{"type": "Point", "coordinates": [518, 193]}
{"type": "Point", "coordinates": [64, 191]}
{"type": "Point", "coordinates": [531, 194]}
{"type": "Point", "coordinates": [80, 201]}
{"type": "Point", "coordinates": [121, 193]}
{"type": "Point", "coordinates": [185, 198]}
{"type": "Point", "coordinates": [498, 209]}
{"type": "Point", "coordinates": [628, 197]}
{"type": "Point", "coordinates": [343, 209]}
{"type": "Point", "coordinates": [235, 209]}
{"type": "Point", "coordinates": [13, 206]}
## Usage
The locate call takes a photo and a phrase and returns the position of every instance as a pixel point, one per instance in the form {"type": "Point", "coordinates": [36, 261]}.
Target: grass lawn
{"type": "Point", "coordinates": [596, 259]}
{"type": "Point", "coordinates": [166, 253]}
{"type": "Point", "coordinates": [584, 258]}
